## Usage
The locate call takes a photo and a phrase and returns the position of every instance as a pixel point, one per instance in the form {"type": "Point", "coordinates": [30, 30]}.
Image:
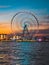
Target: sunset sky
{"type": "Point", "coordinates": [9, 7]}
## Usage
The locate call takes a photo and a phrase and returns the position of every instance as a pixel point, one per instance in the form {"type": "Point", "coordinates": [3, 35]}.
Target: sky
{"type": "Point", "coordinates": [9, 7]}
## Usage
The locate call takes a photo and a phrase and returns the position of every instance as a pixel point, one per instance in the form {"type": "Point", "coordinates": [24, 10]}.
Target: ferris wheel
{"type": "Point", "coordinates": [25, 21]}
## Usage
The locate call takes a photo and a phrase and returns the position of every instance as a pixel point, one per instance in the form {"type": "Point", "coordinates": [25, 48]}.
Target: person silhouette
{"type": "Point", "coordinates": [25, 29]}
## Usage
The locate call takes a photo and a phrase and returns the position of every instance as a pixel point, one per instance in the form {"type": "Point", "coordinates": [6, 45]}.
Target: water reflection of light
{"type": "Point", "coordinates": [39, 40]}
{"type": "Point", "coordinates": [17, 64]}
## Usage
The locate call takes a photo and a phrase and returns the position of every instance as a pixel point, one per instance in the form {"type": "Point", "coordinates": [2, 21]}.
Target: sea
{"type": "Point", "coordinates": [24, 53]}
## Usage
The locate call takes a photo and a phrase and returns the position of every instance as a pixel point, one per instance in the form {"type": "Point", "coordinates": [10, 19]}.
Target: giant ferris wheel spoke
{"type": "Point", "coordinates": [27, 18]}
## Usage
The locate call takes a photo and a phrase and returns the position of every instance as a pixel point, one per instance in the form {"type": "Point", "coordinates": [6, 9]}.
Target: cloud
{"type": "Point", "coordinates": [46, 17]}
{"type": "Point", "coordinates": [5, 6]}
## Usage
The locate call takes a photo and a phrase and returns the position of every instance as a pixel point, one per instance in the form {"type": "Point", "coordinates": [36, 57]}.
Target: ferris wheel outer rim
{"type": "Point", "coordinates": [27, 13]}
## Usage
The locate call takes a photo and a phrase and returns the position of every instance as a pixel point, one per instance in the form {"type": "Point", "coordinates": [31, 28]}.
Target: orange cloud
{"type": "Point", "coordinates": [6, 28]}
